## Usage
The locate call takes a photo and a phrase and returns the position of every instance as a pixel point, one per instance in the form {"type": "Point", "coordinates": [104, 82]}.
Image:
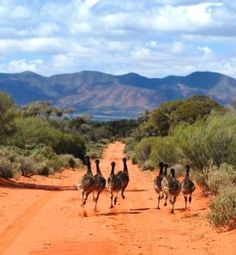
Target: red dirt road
{"type": "Point", "coordinates": [45, 221]}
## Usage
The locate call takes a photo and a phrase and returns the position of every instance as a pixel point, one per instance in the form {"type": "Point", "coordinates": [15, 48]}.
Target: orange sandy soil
{"type": "Point", "coordinates": [42, 215]}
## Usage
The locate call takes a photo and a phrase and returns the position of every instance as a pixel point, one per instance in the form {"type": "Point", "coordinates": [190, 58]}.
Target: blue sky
{"type": "Point", "coordinates": [151, 37]}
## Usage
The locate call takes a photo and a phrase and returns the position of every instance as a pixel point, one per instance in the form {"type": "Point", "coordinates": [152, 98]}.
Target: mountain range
{"type": "Point", "coordinates": [114, 96]}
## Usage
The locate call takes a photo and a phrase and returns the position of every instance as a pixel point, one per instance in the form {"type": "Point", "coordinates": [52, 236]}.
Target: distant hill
{"type": "Point", "coordinates": [118, 96]}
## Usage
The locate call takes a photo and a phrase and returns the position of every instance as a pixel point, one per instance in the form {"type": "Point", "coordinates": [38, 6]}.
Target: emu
{"type": "Point", "coordinates": [114, 184]}
{"type": "Point", "coordinates": [157, 184]}
{"type": "Point", "coordinates": [99, 183]}
{"type": "Point", "coordinates": [87, 183]}
{"type": "Point", "coordinates": [187, 187]}
{"type": "Point", "coordinates": [165, 184]}
{"type": "Point", "coordinates": [174, 186]}
{"type": "Point", "coordinates": [124, 176]}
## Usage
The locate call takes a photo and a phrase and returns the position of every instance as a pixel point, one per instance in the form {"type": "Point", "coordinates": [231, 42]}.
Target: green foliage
{"type": "Point", "coordinates": [143, 150]}
{"type": "Point", "coordinates": [129, 150]}
{"type": "Point", "coordinates": [7, 115]}
{"type": "Point", "coordinates": [120, 128]}
{"type": "Point", "coordinates": [7, 168]}
{"type": "Point", "coordinates": [33, 131]}
{"type": "Point", "coordinates": [223, 208]}
{"type": "Point", "coordinates": [162, 120]}
{"type": "Point", "coordinates": [70, 144]}
{"type": "Point", "coordinates": [94, 150]}
{"type": "Point", "coordinates": [165, 149]}
{"type": "Point", "coordinates": [221, 177]}
{"type": "Point", "coordinates": [221, 183]}
{"type": "Point", "coordinates": [30, 132]}
{"type": "Point", "coordinates": [212, 178]}
{"type": "Point", "coordinates": [150, 151]}
{"type": "Point", "coordinates": [211, 140]}
{"type": "Point", "coordinates": [39, 160]}
{"type": "Point", "coordinates": [43, 109]}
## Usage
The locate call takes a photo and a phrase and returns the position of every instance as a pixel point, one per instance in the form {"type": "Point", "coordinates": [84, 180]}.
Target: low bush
{"type": "Point", "coordinates": [7, 168]}
{"type": "Point", "coordinates": [223, 208]}
{"type": "Point", "coordinates": [150, 151]}
{"type": "Point", "coordinates": [143, 150]}
{"type": "Point", "coordinates": [211, 140]}
{"type": "Point", "coordinates": [40, 160]}
{"type": "Point", "coordinates": [94, 150]}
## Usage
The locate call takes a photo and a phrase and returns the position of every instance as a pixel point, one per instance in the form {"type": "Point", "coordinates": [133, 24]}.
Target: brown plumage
{"type": "Point", "coordinates": [174, 187]}
{"type": "Point", "coordinates": [87, 183]}
{"type": "Point", "coordinates": [124, 176]}
{"type": "Point", "coordinates": [187, 187]}
{"type": "Point", "coordinates": [99, 183]}
{"type": "Point", "coordinates": [165, 184]}
{"type": "Point", "coordinates": [157, 184]}
{"type": "Point", "coordinates": [114, 185]}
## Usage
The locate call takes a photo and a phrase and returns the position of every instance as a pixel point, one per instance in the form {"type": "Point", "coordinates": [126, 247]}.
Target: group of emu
{"type": "Point", "coordinates": [167, 186]}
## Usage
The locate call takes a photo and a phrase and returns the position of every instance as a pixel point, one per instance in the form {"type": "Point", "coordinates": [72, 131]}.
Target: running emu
{"type": "Point", "coordinates": [99, 185]}
{"type": "Point", "coordinates": [174, 188]}
{"type": "Point", "coordinates": [157, 184]}
{"type": "Point", "coordinates": [124, 176]}
{"type": "Point", "coordinates": [114, 184]}
{"type": "Point", "coordinates": [187, 187]}
{"type": "Point", "coordinates": [165, 184]}
{"type": "Point", "coordinates": [87, 183]}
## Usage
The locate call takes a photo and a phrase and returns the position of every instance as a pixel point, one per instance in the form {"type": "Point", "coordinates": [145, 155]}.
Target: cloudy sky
{"type": "Point", "coordinates": [154, 38]}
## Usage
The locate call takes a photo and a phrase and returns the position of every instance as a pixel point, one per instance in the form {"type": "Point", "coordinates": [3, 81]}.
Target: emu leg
{"type": "Point", "coordinates": [173, 204]}
{"type": "Point", "coordinates": [111, 196]}
{"type": "Point", "coordinates": [96, 201]}
{"type": "Point", "coordinates": [122, 193]}
{"type": "Point", "coordinates": [159, 198]}
{"type": "Point", "coordinates": [166, 197]}
{"type": "Point", "coordinates": [186, 201]}
{"type": "Point", "coordinates": [85, 196]}
{"type": "Point", "coordinates": [190, 198]}
{"type": "Point", "coordinates": [116, 197]}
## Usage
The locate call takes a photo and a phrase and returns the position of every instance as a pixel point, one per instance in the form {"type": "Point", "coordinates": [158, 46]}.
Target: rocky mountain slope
{"type": "Point", "coordinates": [128, 95]}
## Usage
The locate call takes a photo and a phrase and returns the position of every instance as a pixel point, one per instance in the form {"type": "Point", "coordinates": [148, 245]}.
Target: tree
{"type": "Point", "coordinates": [7, 115]}
{"type": "Point", "coordinates": [162, 120]}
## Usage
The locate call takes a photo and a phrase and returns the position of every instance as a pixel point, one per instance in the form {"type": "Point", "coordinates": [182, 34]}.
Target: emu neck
{"type": "Point", "coordinates": [112, 170]}
{"type": "Point", "coordinates": [161, 171]}
{"type": "Point", "coordinates": [125, 167]}
{"type": "Point", "coordinates": [187, 173]}
{"type": "Point", "coordinates": [89, 170]}
{"type": "Point", "coordinates": [98, 169]}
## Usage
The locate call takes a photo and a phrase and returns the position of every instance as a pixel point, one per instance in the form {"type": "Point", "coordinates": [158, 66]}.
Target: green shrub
{"type": "Point", "coordinates": [70, 144]}
{"type": "Point", "coordinates": [28, 166]}
{"type": "Point", "coordinates": [40, 160]}
{"type": "Point", "coordinates": [165, 149]}
{"type": "Point", "coordinates": [143, 150]}
{"type": "Point", "coordinates": [94, 150]}
{"type": "Point", "coordinates": [211, 140]}
{"type": "Point", "coordinates": [223, 208]}
{"type": "Point", "coordinates": [33, 131]}
{"type": "Point", "coordinates": [220, 177]}
{"type": "Point", "coordinates": [150, 151]}
{"type": "Point", "coordinates": [148, 165]}
{"type": "Point", "coordinates": [212, 178]}
{"type": "Point", "coordinates": [7, 168]}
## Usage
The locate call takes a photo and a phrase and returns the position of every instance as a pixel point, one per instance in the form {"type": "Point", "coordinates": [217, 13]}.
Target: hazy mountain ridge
{"type": "Point", "coordinates": [127, 95]}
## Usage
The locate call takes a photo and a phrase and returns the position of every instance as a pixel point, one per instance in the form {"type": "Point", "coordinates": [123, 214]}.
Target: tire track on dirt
{"type": "Point", "coordinates": [15, 228]}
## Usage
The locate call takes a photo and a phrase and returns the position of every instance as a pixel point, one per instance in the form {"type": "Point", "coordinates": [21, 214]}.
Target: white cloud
{"type": "Point", "coordinates": [24, 64]}
{"type": "Point", "coordinates": [155, 37]}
